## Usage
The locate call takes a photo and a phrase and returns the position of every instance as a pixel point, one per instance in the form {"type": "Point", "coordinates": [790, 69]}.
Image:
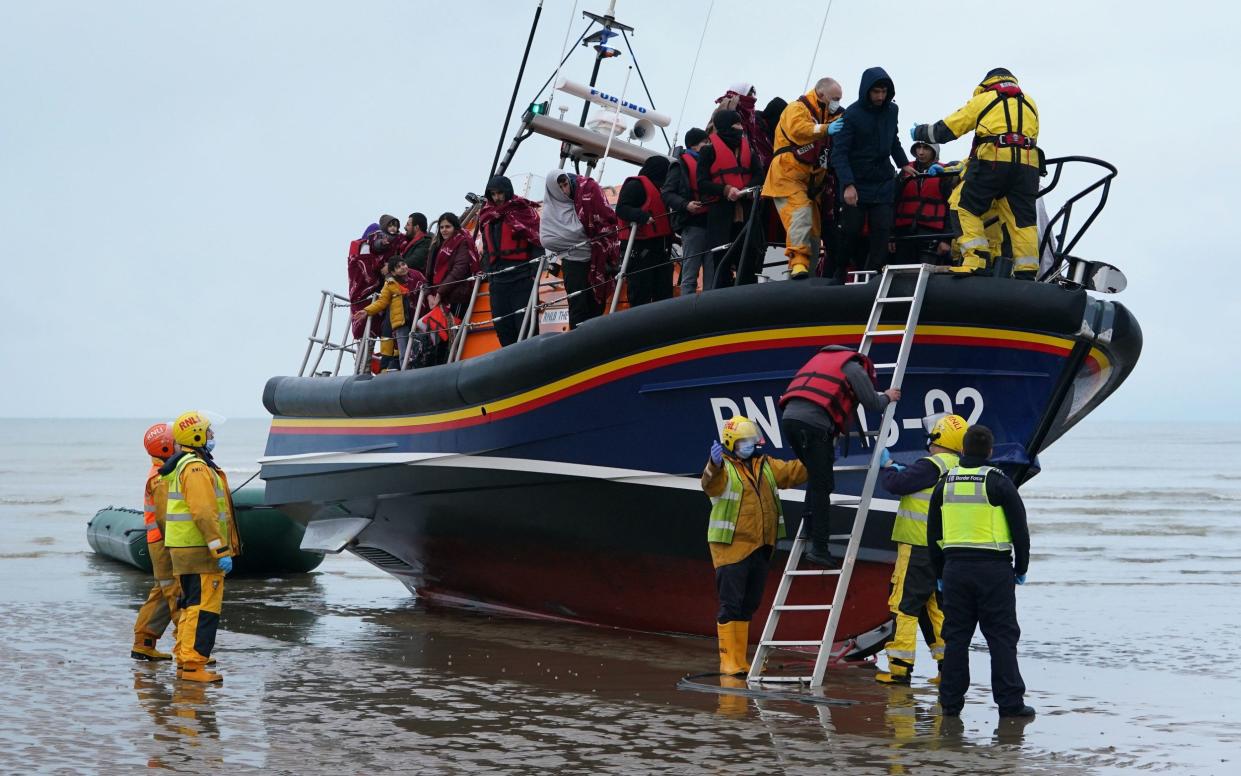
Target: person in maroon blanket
{"type": "Point", "coordinates": [743, 98]}
{"type": "Point", "coordinates": [509, 226]}
{"type": "Point", "coordinates": [453, 259]}
{"type": "Point", "coordinates": [365, 277]}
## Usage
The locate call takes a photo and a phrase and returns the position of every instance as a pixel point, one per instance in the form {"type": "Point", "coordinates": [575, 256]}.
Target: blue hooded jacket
{"type": "Point", "coordinates": [864, 150]}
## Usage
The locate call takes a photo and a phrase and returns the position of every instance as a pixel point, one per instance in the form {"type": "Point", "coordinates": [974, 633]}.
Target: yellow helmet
{"type": "Point", "coordinates": [190, 429]}
{"type": "Point", "coordinates": [949, 431]}
{"type": "Point", "coordinates": [737, 428]}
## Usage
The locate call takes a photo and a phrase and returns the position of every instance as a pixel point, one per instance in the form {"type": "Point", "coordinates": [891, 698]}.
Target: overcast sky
{"type": "Point", "coordinates": [181, 179]}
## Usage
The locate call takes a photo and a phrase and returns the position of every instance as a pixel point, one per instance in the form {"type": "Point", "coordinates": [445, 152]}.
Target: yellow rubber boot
{"type": "Point", "coordinates": [799, 266]}
{"type": "Point", "coordinates": [741, 643]}
{"type": "Point", "coordinates": [144, 649]}
{"type": "Point", "coordinates": [198, 673]}
{"type": "Point", "coordinates": [732, 659]}
{"type": "Point", "coordinates": [899, 672]}
{"type": "Point", "coordinates": [970, 264]}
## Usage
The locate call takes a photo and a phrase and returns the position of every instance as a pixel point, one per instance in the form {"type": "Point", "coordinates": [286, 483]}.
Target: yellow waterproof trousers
{"type": "Point", "coordinates": [803, 230]}
{"type": "Point", "coordinates": [902, 649]}
{"type": "Point", "coordinates": [1007, 191]}
{"type": "Point", "coordinates": [202, 596]}
{"type": "Point", "coordinates": [157, 611]}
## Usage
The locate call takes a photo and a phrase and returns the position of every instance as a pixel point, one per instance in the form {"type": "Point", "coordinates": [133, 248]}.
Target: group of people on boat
{"type": "Point", "coordinates": [960, 530]}
{"type": "Point", "coordinates": [834, 180]}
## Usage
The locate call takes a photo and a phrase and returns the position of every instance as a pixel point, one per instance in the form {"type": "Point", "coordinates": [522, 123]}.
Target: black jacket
{"type": "Point", "coordinates": [1000, 492]}
{"type": "Point", "coordinates": [677, 195]}
{"type": "Point", "coordinates": [865, 148]}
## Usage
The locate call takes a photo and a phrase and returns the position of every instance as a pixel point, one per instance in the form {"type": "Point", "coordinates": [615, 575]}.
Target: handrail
{"type": "Point", "coordinates": [321, 335]}
{"type": "Point", "coordinates": [1063, 245]}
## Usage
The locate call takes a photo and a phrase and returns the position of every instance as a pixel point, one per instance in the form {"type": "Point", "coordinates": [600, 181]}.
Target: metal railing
{"type": "Point", "coordinates": [321, 335]}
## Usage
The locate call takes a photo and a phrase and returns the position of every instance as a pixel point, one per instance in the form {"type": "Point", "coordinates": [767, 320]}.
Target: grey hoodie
{"type": "Point", "coordinates": [559, 227]}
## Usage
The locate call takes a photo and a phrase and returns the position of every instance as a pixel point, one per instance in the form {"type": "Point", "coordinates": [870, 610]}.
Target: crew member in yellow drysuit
{"type": "Point", "coordinates": [1004, 170]}
{"type": "Point", "coordinates": [160, 607]}
{"type": "Point", "coordinates": [797, 176]}
{"type": "Point", "coordinates": [913, 579]}
{"type": "Point", "coordinates": [201, 536]}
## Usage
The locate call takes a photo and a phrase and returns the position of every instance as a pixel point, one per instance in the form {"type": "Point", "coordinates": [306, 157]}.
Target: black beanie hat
{"type": "Point", "coordinates": [694, 137]}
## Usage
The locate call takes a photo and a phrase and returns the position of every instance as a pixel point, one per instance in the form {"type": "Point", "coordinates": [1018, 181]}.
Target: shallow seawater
{"type": "Point", "coordinates": [1128, 620]}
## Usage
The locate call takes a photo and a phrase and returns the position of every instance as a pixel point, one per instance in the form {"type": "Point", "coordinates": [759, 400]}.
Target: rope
{"type": "Point", "coordinates": [815, 57]}
{"type": "Point", "coordinates": [676, 136]}
{"type": "Point", "coordinates": [563, 52]}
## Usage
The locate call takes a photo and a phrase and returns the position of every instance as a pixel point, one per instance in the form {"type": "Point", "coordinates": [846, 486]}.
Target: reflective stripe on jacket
{"type": "Point", "coordinates": [727, 507]}
{"type": "Point", "coordinates": [910, 524]}
{"type": "Point", "coordinates": [658, 224]}
{"type": "Point", "coordinates": [970, 520]}
{"type": "Point", "coordinates": [180, 530]}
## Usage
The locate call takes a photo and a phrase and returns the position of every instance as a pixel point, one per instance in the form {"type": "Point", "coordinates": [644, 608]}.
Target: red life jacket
{"type": "Point", "coordinates": [149, 509]}
{"type": "Point", "coordinates": [727, 169]}
{"type": "Point", "coordinates": [922, 202]}
{"type": "Point", "coordinates": [691, 171]}
{"type": "Point", "coordinates": [439, 322]}
{"type": "Point", "coordinates": [511, 248]}
{"type": "Point", "coordinates": [822, 381]}
{"type": "Point", "coordinates": [658, 225]}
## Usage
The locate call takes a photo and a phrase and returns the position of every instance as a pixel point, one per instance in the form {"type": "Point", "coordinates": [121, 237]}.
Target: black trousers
{"type": "Point", "coordinates": [980, 593]}
{"type": "Point", "coordinates": [648, 277]}
{"type": "Point", "coordinates": [870, 252]}
{"type": "Point", "coordinates": [919, 251]}
{"type": "Point", "coordinates": [815, 448]}
{"type": "Point", "coordinates": [510, 293]}
{"type": "Point", "coordinates": [740, 586]}
{"type": "Point", "coordinates": [582, 307]}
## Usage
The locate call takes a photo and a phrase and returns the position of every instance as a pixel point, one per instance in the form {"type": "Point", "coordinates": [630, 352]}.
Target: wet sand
{"type": "Point", "coordinates": [341, 671]}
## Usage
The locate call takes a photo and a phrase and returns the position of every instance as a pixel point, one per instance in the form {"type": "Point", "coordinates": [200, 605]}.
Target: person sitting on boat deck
{"type": "Point", "coordinates": [433, 333]}
{"type": "Point", "coordinates": [797, 173]}
{"type": "Point", "coordinates": [202, 540]}
{"type": "Point", "coordinates": [819, 404]}
{"type": "Point", "coordinates": [160, 608]}
{"type": "Point", "coordinates": [747, 519]}
{"type": "Point", "coordinates": [980, 548]}
{"type": "Point", "coordinates": [580, 227]}
{"type": "Point", "coordinates": [742, 97]}
{"type": "Point", "coordinates": [727, 166]}
{"type": "Point", "coordinates": [510, 228]}
{"type": "Point", "coordinates": [922, 208]}
{"type": "Point", "coordinates": [648, 276]}
{"type": "Point", "coordinates": [1005, 124]}
{"type": "Point", "coordinates": [395, 298]}
{"type": "Point", "coordinates": [689, 213]}
{"type": "Point", "coordinates": [417, 243]}
{"type": "Point", "coordinates": [454, 260]}
{"type": "Point", "coordinates": [913, 596]}
{"type": "Point", "coordinates": [863, 152]}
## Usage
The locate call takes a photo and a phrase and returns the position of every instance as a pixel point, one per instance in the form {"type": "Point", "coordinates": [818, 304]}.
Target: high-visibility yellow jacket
{"type": "Point", "coordinates": [998, 107]}
{"type": "Point", "coordinates": [201, 487]}
{"type": "Point", "coordinates": [758, 515]}
{"type": "Point", "coordinates": [798, 126]}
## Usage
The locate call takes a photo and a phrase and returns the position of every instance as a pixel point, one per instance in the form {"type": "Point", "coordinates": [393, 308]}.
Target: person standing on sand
{"type": "Point", "coordinates": [160, 607]}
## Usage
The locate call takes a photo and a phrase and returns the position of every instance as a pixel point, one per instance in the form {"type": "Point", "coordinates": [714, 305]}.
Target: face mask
{"type": "Point", "coordinates": [745, 448]}
{"type": "Point", "coordinates": [210, 444]}
{"type": "Point", "coordinates": [833, 106]}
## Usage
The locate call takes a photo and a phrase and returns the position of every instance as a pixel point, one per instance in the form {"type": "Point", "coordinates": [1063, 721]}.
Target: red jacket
{"type": "Point", "coordinates": [922, 202]}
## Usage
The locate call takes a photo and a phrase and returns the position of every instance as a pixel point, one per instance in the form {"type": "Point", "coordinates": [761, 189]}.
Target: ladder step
{"type": "Point", "coordinates": [885, 366]}
{"type": "Point", "coordinates": [790, 643]}
{"type": "Point", "coordinates": [803, 607]}
{"type": "Point", "coordinates": [782, 679]}
{"type": "Point", "coordinates": [888, 299]}
{"type": "Point", "coordinates": [852, 467]}
{"type": "Point", "coordinates": [840, 536]}
{"type": "Point", "coordinates": [814, 573]}
{"type": "Point", "coordinates": [886, 333]}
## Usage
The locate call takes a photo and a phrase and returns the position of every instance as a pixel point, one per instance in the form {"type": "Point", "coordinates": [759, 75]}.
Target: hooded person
{"type": "Point", "coordinates": [863, 154]}
{"type": "Point", "coordinates": [726, 166]}
{"type": "Point", "coordinates": [641, 207]}
{"type": "Point", "coordinates": [510, 230]}
{"type": "Point", "coordinates": [579, 227]}
{"type": "Point", "coordinates": [1004, 120]}
{"type": "Point", "coordinates": [798, 174]}
{"type": "Point", "coordinates": [688, 213]}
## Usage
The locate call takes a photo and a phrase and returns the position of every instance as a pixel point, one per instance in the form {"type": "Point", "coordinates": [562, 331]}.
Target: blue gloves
{"type": "Point", "coordinates": [939, 585]}
{"type": "Point", "coordinates": [934, 170]}
{"type": "Point", "coordinates": [225, 564]}
{"type": "Point", "coordinates": [913, 131]}
{"type": "Point", "coordinates": [836, 126]}
{"type": "Point", "coordinates": [885, 459]}
{"type": "Point", "coordinates": [1020, 579]}
{"type": "Point", "coordinates": [717, 453]}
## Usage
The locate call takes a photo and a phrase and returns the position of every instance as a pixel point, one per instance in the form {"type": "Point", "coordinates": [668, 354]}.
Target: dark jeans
{"type": "Point", "coordinates": [648, 277]}
{"type": "Point", "coordinates": [582, 307]}
{"type": "Point", "coordinates": [870, 252]}
{"type": "Point", "coordinates": [816, 449]}
{"type": "Point", "coordinates": [980, 593]}
{"type": "Point", "coordinates": [510, 293]}
{"type": "Point", "coordinates": [740, 586]}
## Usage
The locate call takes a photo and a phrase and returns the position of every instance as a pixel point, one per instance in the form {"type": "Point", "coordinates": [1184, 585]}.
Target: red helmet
{"type": "Point", "coordinates": [158, 441]}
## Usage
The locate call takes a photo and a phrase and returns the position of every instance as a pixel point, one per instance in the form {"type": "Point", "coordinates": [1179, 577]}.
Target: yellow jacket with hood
{"type": "Point", "coordinates": [985, 115]}
{"type": "Point", "coordinates": [392, 300]}
{"type": "Point", "coordinates": [157, 494]}
{"type": "Point", "coordinates": [798, 127]}
{"type": "Point", "coordinates": [198, 489]}
{"type": "Point", "coordinates": [758, 517]}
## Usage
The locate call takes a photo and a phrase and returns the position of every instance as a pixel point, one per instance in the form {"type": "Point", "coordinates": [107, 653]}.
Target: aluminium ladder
{"type": "Point", "coordinates": [779, 607]}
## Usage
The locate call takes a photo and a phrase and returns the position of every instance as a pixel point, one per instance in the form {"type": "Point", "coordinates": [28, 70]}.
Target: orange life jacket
{"type": "Point", "coordinates": [149, 509]}
{"type": "Point", "coordinates": [727, 169]}
{"type": "Point", "coordinates": [658, 225]}
{"type": "Point", "coordinates": [822, 381]}
{"type": "Point", "coordinates": [439, 322]}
